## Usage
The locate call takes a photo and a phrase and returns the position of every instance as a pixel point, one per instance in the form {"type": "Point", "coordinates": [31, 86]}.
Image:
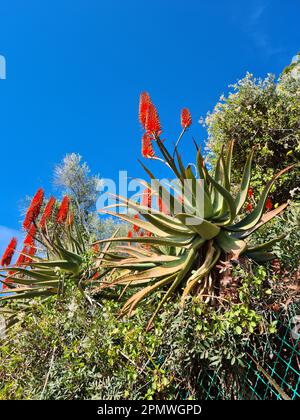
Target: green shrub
{"type": "Point", "coordinates": [67, 350]}
{"type": "Point", "coordinates": [265, 114]}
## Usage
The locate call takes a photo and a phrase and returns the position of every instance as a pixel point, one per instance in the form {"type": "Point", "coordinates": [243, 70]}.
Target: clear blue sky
{"type": "Point", "coordinates": [75, 69]}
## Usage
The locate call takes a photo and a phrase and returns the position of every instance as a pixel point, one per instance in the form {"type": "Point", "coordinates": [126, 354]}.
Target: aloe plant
{"type": "Point", "coordinates": [53, 254]}
{"type": "Point", "coordinates": [182, 249]}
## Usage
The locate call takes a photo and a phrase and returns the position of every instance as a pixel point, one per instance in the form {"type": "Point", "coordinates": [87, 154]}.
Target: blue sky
{"type": "Point", "coordinates": [75, 69]}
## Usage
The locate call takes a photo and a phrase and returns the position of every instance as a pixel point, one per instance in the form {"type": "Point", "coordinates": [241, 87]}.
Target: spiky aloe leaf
{"type": "Point", "coordinates": [243, 190]}
{"type": "Point", "coordinates": [211, 258]}
{"type": "Point", "coordinates": [159, 219]}
{"type": "Point", "coordinates": [31, 293]}
{"type": "Point", "coordinates": [178, 279]}
{"type": "Point", "coordinates": [34, 274]}
{"type": "Point", "coordinates": [266, 245]}
{"type": "Point", "coordinates": [197, 191]}
{"type": "Point", "coordinates": [133, 301]}
{"type": "Point", "coordinates": [67, 266]}
{"type": "Point", "coordinates": [264, 219]}
{"type": "Point", "coordinates": [204, 228]}
{"type": "Point", "coordinates": [174, 202]}
{"type": "Point", "coordinates": [228, 161]}
{"type": "Point", "coordinates": [69, 256]}
{"type": "Point", "coordinates": [232, 246]}
{"type": "Point", "coordinates": [154, 240]}
{"type": "Point", "coordinates": [31, 282]}
{"type": "Point", "coordinates": [228, 200]}
{"type": "Point", "coordinates": [148, 275]}
{"type": "Point", "coordinates": [260, 257]}
{"type": "Point", "coordinates": [218, 177]}
{"type": "Point", "coordinates": [150, 227]}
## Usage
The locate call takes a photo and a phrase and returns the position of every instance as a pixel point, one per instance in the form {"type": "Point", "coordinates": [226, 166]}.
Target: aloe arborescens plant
{"type": "Point", "coordinates": [182, 249]}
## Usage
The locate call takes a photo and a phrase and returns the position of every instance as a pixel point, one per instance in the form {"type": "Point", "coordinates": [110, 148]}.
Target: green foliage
{"type": "Point", "coordinates": [264, 114]}
{"type": "Point", "coordinates": [66, 349]}
{"type": "Point", "coordinates": [288, 224]}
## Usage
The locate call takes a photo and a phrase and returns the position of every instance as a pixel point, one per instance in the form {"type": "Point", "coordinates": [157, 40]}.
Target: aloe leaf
{"type": "Point", "coordinates": [29, 295]}
{"type": "Point", "coordinates": [232, 246]}
{"type": "Point", "coordinates": [35, 274]}
{"type": "Point", "coordinates": [168, 157]}
{"type": "Point", "coordinates": [179, 241]}
{"type": "Point", "coordinates": [149, 213]}
{"type": "Point", "coordinates": [132, 302]}
{"type": "Point", "coordinates": [227, 197]}
{"type": "Point", "coordinates": [180, 164]}
{"type": "Point", "coordinates": [181, 275]}
{"type": "Point", "coordinates": [260, 257]}
{"type": "Point", "coordinates": [150, 227]}
{"type": "Point", "coordinates": [68, 255]}
{"type": "Point", "coordinates": [228, 161]}
{"type": "Point", "coordinates": [150, 274]}
{"type": "Point", "coordinates": [266, 245]}
{"type": "Point", "coordinates": [244, 187]}
{"type": "Point", "coordinates": [173, 200]}
{"type": "Point", "coordinates": [265, 219]}
{"type": "Point", "coordinates": [61, 264]}
{"type": "Point", "coordinates": [211, 258]}
{"type": "Point", "coordinates": [217, 203]}
{"type": "Point", "coordinates": [204, 228]}
{"type": "Point", "coordinates": [200, 168]}
{"type": "Point", "coordinates": [31, 282]}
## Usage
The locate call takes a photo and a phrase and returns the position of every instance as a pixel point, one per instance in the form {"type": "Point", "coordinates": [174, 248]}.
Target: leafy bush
{"type": "Point", "coordinates": [264, 114]}
{"type": "Point", "coordinates": [66, 349]}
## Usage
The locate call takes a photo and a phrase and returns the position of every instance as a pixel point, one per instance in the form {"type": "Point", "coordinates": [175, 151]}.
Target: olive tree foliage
{"type": "Point", "coordinates": [264, 113]}
{"type": "Point", "coordinates": [73, 177]}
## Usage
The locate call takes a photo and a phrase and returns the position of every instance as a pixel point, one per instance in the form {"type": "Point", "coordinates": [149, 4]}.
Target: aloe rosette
{"type": "Point", "coordinates": [180, 250]}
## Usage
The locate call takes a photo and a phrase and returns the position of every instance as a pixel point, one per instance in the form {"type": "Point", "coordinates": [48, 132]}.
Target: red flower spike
{"type": "Point", "coordinates": [269, 204]}
{"type": "Point", "coordinates": [147, 147]}
{"type": "Point", "coordinates": [29, 240]}
{"type": "Point", "coordinates": [34, 209]}
{"type": "Point", "coordinates": [21, 258]}
{"type": "Point", "coordinates": [152, 124]}
{"type": "Point", "coordinates": [146, 199]}
{"type": "Point", "coordinates": [145, 100]}
{"type": "Point", "coordinates": [32, 251]}
{"type": "Point", "coordinates": [135, 227]}
{"type": "Point", "coordinates": [9, 252]}
{"type": "Point", "coordinates": [63, 210]}
{"type": "Point", "coordinates": [186, 118]}
{"type": "Point", "coordinates": [47, 212]}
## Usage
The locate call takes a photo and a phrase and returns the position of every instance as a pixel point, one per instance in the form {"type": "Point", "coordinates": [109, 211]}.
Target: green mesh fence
{"type": "Point", "coordinates": [276, 377]}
